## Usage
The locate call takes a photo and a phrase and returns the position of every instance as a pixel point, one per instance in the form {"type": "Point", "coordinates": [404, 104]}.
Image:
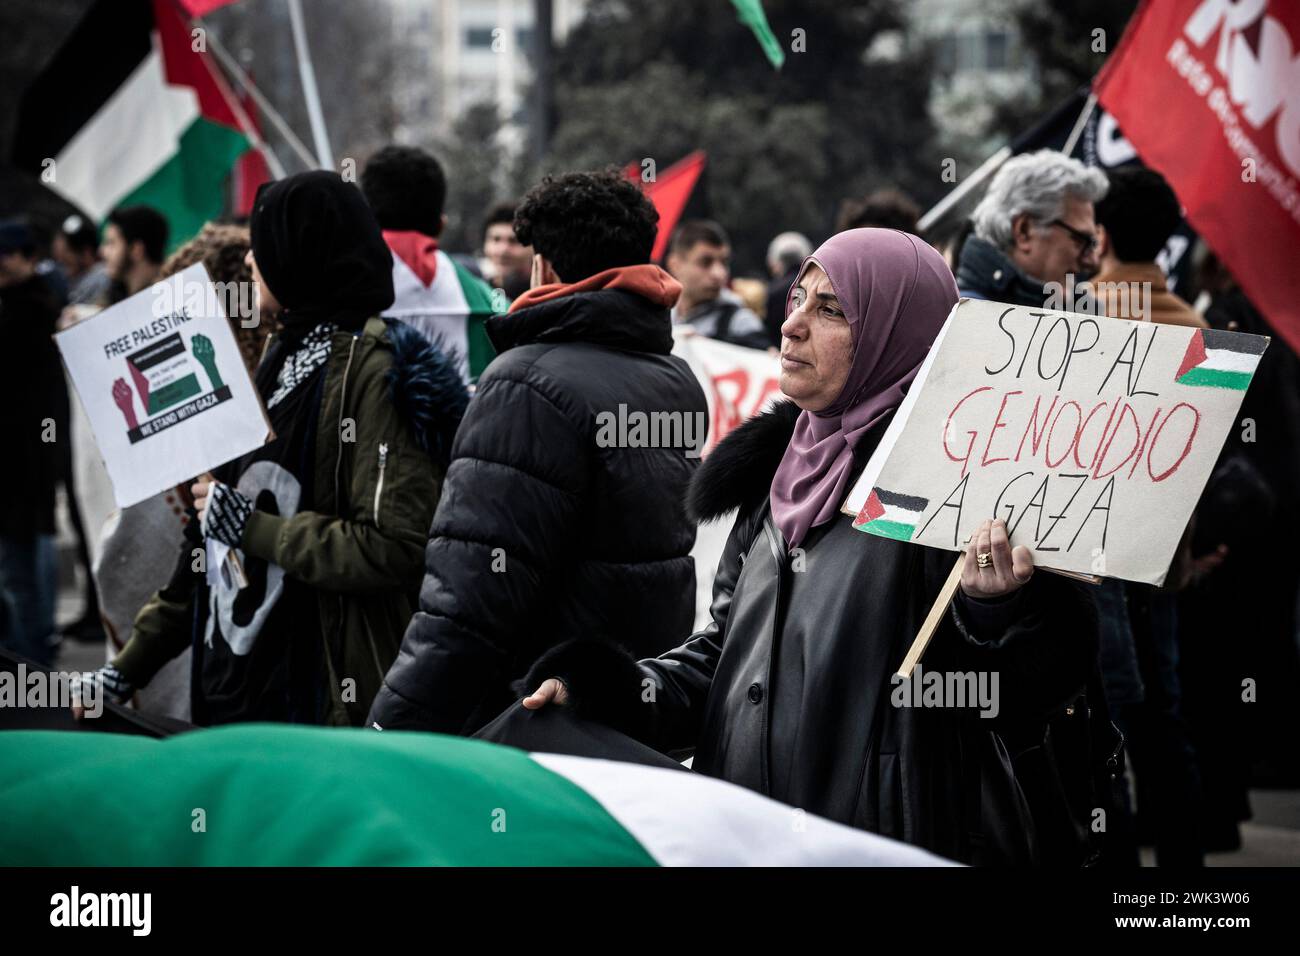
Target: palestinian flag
{"type": "Point", "coordinates": [279, 795]}
{"type": "Point", "coordinates": [891, 515]}
{"type": "Point", "coordinates": [131, 114]}
{"type": "Point", "coordinates": [442, 300]}
{"type": "Point", "coordinates": [1221, 359]}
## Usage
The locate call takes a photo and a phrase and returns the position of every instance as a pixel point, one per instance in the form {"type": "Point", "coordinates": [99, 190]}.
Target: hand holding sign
{"type": "Point", "coordinates": [202, 485]}
{"type": "Point", "coordinates": [1002, 571]}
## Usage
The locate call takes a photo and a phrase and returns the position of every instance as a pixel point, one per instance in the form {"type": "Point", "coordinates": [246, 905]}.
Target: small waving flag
{"type": "Point", "coordinates": [129, 111]}
{"type": "Point", "coordinates": [751, 15]}
{"type": "Point", "coordinates": [669, 191]}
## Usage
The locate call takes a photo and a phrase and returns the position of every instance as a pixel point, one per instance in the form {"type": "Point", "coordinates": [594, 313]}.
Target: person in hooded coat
{"type": "Point", "coordinates": [788, 690]}
{"type": "Point", "coordinates": [556, 521]}
{"type": "Point", "coordinates": [329, 518]}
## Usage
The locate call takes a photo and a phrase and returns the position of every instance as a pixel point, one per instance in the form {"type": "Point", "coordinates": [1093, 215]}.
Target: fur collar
{"type": "Point", "coordinates": [426, 389]}
{"type": "Point", "coordinates": [738, 472]}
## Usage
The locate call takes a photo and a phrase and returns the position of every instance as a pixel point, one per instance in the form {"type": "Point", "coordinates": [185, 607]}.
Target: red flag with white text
{"type": "Point", "coordinates": [1209, 94]}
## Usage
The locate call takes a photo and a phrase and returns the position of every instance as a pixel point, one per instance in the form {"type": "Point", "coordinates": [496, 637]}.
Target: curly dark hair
{"type": "Point", "coordinates": [585, 223]}
{"type": "Point", "coordinates": [406, 188]}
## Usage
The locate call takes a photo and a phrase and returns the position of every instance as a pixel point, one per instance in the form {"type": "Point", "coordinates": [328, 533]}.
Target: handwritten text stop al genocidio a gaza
{"type": "Point", "coordinates": [1074, 451]}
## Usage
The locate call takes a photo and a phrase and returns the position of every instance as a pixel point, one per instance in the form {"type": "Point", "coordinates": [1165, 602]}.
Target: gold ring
{"type": "Point", "coordinates": [984, 559]}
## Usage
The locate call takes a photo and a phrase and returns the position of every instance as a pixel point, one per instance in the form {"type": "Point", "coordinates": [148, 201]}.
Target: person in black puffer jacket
{"type": "Point", "coordinates": [562, 514]}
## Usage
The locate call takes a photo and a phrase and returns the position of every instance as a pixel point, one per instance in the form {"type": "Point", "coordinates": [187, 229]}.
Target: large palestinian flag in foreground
{"type": "Point", "coordinates": [130, 113]}
{"type": "Point", "coordinates": [262, 795]}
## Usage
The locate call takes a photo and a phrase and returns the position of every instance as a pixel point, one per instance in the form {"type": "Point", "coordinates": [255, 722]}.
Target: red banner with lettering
{"type": "Point", "coordinates": [1209, 94]}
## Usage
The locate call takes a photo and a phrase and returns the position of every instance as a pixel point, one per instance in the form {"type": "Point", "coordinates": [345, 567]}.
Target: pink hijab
{"type": "Point", "coordinates": [896, 292]}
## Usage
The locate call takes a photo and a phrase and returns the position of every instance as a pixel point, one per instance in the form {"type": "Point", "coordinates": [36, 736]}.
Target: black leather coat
{"type": "Point", "coordinates": [788, 690]}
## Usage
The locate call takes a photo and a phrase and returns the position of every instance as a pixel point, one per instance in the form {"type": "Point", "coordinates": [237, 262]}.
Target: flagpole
{"type": "Point", "coordinates": [324, 155]}
{"type": "Point", "coordinates": [941, 209]}
{"type": "Point", "coordinates": [991, 165]}
{"type": "Point", "coordinates": [1080, 124]}
{"type": "Point", "coordinates": [273, 163]}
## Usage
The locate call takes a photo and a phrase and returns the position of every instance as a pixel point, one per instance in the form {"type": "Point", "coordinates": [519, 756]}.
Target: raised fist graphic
{"type": "Point", "coordinates": [123, 396]}
{"type": "Point", "coordinates": [201, 345]}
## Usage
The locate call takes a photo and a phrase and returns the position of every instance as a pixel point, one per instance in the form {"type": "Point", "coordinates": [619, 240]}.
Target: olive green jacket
{"type": "Point", "coordinates": [387, 397]}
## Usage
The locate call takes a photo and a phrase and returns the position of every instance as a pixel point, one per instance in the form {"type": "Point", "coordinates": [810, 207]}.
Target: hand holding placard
{"type": "Point", "coordinates": [1006, 569]}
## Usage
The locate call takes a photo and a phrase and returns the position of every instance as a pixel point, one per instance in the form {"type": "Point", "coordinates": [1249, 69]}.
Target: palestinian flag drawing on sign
{"type": "Point", "coordinates": [130, 114]}
{"type": "Point", "coordinates": [163, 374]}
{"type": "Point", "coordinates": [1221, 359]}
{"type": "Point", "coordinates": [891, 515]}
{"type": "Point", "coordinates": [316, 796]}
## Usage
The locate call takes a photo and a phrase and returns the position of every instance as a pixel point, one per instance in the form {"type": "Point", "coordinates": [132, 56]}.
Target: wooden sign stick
{"type": "Point", "coordinates": [937, 611]}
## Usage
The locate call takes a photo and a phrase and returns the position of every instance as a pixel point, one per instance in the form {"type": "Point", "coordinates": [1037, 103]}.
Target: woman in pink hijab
{"type": "Point", "coordinates": [789, 689]}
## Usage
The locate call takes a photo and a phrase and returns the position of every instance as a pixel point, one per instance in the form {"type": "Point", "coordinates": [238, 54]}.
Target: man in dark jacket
{"type": "Point", "coordinates": [35, 403]}
{"type": "Point", "coordinates": [562, 514]}
{"type": "Point", "coordinates": [1034, 227]}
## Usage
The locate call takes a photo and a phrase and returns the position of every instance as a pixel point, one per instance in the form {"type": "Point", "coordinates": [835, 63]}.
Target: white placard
{"type": "Point", "coordinates": [163, 383]}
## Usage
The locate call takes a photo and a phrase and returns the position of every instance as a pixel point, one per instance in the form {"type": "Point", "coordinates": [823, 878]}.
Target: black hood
{"type": "Point", "coordinates": [613, 318]}
{"type": "Point", "coordinates": [320, 250]}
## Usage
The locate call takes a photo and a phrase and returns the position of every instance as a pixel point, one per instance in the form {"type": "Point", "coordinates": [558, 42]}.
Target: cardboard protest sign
{"type": "Point", "coordinates": [1091, 437]}
{"type": "Point", "coordinates": [164, 386]}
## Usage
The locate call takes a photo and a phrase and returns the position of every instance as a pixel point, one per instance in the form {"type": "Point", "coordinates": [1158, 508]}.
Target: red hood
{"type": "Point", "coordinates": [417, 250]}
{"type": "Point", "coordinates": [648, 281]}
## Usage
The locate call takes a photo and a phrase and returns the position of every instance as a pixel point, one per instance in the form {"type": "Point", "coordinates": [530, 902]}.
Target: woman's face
{"type": "Point", "coordinates": [816, 343]}
{"type": "Point", "coordinates": [267, 305]}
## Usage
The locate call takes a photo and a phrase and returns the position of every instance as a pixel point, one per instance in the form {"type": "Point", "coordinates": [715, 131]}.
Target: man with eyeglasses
{"type": "Point", "coordinates": [1033, 227]}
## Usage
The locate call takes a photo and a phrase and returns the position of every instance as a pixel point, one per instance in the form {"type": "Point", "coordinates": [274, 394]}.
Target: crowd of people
{"type": "Point", "coordinates": [422, 544]}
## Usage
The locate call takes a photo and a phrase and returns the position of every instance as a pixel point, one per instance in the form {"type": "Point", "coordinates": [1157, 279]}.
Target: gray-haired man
{"type": "Point", "coordinates": [1034, 226]}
